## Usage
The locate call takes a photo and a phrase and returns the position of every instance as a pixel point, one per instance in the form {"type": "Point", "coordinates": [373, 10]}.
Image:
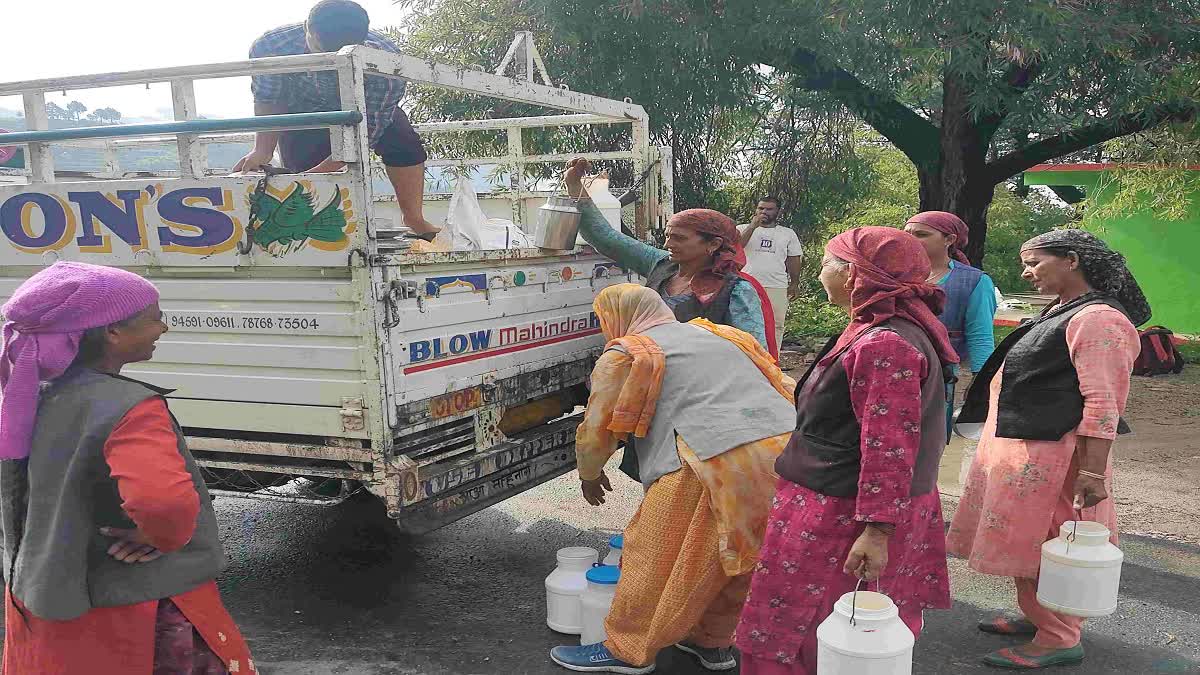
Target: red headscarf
{"type": "Point", "coordinates": [729, 259]}
{"type": "Point", "coordinates": [947, 223]}
{"type": "Point", "coordinates": [890, 276]}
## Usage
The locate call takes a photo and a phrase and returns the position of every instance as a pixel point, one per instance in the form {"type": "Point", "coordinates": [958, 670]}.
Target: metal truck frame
{"type": "Point", "coordinates": [433, 450]}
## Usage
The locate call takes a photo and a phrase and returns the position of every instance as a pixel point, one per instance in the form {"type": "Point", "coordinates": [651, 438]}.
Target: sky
{"type": "Point", "coordinates": [54, 38]}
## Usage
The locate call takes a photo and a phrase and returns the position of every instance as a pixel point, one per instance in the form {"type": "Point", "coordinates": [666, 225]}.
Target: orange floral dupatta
{"type": "Point", "coordinates": [625, 311]}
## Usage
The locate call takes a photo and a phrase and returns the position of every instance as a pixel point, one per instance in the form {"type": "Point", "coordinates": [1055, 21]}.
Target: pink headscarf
{"type": "Point", "coordinates": [45, 319]}
{"type": "Point", "coordinates": [947, 223]}
{"type": "Point", "coordinates": [890, 272]}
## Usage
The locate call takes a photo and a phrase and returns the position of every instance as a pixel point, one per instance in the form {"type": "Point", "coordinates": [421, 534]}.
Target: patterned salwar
{"type": "Point", "coordinates": [696, 537]}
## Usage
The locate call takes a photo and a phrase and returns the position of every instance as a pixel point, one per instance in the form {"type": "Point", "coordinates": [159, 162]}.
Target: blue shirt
{"type": "Point", "coordinates": [318, 91]}
{"type": "Point", "coordinates": [981, 313]}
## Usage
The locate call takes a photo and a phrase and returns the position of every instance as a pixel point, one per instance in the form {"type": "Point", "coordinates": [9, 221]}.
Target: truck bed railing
{"type": "Point", "coordinates": [314, 120]}
{"type": "Point", "coordinates": [348, 139]}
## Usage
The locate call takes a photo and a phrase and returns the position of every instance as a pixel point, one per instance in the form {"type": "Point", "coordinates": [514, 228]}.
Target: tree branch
{"type": "Point", "coordinates": [1084, 137]}
{"type": "Point", "coordinates": [912, 134]}
{"type": "Point", "coordinates": [1017, 80]}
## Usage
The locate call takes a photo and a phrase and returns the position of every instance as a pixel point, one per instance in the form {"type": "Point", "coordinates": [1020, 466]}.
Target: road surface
{"type": "Point", "coordinates": [324, 591]}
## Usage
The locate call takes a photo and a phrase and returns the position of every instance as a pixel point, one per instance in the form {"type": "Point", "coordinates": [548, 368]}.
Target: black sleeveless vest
{"type": "Point", "coordinates": [824, 453]}
{"type": "Point", "coordinates": [1039, 393]}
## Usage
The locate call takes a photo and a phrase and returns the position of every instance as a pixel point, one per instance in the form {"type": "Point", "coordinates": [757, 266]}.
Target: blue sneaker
{"type": "Point", "coordinates": [595, 659]}
{"type": "Point", "coordinates": [712, 658]}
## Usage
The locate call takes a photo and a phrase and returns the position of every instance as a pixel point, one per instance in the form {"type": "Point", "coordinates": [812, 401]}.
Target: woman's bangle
{"type": "Point", "coordinates": [1089, 474]}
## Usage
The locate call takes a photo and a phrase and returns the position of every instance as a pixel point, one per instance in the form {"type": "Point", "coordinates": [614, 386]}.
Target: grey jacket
{"type": "Point", "coordinates": [53, 504]}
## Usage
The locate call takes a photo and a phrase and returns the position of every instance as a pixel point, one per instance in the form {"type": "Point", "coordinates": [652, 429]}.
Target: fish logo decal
{"type": "Point", "coordinates": [283, 226]}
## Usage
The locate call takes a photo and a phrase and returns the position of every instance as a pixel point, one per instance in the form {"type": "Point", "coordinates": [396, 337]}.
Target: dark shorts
{"type": "Point", "coordinates": [399, 145]}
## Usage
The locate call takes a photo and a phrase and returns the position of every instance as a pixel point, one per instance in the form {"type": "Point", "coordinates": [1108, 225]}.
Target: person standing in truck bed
{"type": "Point", "coordinates": [331, 25]}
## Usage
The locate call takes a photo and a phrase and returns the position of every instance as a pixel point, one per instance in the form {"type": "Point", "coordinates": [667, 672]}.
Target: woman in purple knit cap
{"type": "Point", "coordinates": [110, 546]}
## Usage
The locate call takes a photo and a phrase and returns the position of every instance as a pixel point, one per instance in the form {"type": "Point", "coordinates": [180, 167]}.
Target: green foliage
{"type": "Point", "coordinates": [811, 316]}
{"type": "Point", "coordinates": [973, 92]}
{"type": "Point", "coordinates": [891, 199]}
{"type": "Point", "coordinates": [773, 96]}
{"type": "Point", "coordinates": [1011, 222]}
{"type": "Point", "coordinates": [697, 107]}
{"type": "Point", "coordinates": [1155, 170]}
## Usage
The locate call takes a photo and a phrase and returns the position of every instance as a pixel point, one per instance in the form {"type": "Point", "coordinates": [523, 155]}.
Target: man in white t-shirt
{"type": "Point", "coordinates": [773, 258]}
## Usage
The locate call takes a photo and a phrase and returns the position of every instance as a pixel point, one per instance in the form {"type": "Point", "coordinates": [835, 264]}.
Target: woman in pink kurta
{"type": "Point", "coordinates": [1042, 464]}
{"type": "Point", "coordinates": [858, 499]}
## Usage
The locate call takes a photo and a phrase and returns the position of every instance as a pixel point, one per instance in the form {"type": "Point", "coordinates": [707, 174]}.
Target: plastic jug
{"type": "Point", "coordinates": [603, 199]}
{"type": "Point", "coordinates": [615, 546]}
{"type": "Point", "coordinates": [596, 601]}
{"type": "Point", "coordinates": [1081, 571]}
{"type": "Point", "coordinates": [564, 587]}
{"type": "Point", "coordinates": [864, 636]}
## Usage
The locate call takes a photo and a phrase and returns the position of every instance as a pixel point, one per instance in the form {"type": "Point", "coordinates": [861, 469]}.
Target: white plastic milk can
{"type": "Point", "coordinates": [864, 636]}
{"type": "Point", "coordinates": [564, 587]}
{"type": "Point", "coordinates": [615, 546]}
{"type": "Point", "coordinates": [596, 601]}
{"type": "Point", "coordinates": [1081, 571]}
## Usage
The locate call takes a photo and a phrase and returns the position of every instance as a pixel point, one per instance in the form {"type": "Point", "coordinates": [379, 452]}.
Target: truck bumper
{"type": "Point", "coordinates": [485, 479]}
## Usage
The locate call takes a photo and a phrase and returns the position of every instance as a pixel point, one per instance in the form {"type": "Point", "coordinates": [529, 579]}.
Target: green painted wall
{"type": "Point", "coordinates": [1163, 255]}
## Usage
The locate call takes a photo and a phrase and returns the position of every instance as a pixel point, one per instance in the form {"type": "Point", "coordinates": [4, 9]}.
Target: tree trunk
{"type": "Point", "coordinates": [959, 182]}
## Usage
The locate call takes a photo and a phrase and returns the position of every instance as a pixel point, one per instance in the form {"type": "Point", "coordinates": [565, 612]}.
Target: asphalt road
{"type": "Point", "coordinates": [342, 591]}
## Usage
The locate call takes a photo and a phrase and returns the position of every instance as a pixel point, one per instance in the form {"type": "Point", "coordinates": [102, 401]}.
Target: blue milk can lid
{"type": "Point", "coordinates": [604, 574]}
{"type": "Point", "coordinates": [617, 541]}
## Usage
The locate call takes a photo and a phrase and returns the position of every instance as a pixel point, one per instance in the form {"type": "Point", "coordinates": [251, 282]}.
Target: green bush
{"type": "Point", "coordinates": [1190, 352]}
{"type": "Point", "coordinates": [1011, 222]}
{"type": "Point", "coordinates": [811, 316]}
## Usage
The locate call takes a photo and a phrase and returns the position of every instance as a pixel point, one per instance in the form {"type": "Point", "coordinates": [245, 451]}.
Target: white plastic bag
{"type": "Point", "coordinates": [499, 233]}
{"type": "Point", "coordinates": [465, 220]}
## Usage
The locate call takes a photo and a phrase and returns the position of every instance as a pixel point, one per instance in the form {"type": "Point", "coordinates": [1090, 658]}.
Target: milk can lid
{"type": "Point", "coordinates": [617, 541]}
{"type": "Point", "coordinates": [604, 574]}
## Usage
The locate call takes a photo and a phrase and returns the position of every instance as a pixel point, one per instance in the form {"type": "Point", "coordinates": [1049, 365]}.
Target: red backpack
{"type": "Point", "coordinates": [1159, 354]}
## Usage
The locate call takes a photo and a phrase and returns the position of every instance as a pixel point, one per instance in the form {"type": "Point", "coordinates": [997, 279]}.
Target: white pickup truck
{"type": "Point", "coordinates": [313, 354]}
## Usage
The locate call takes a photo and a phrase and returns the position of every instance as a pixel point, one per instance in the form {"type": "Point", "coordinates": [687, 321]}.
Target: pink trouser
{"type": "Point", "coordinates": [805, 662]}
{"type": "Point", "coordinates": [1055, 631]}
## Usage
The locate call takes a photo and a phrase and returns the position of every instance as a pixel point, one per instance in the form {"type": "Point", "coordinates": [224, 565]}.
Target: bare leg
{"type": "Point", "coordinates": [409, 185]}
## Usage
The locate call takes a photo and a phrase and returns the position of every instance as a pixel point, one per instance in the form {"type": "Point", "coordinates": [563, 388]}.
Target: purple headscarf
{"type": "Point", "coordinates": [44, 321]}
